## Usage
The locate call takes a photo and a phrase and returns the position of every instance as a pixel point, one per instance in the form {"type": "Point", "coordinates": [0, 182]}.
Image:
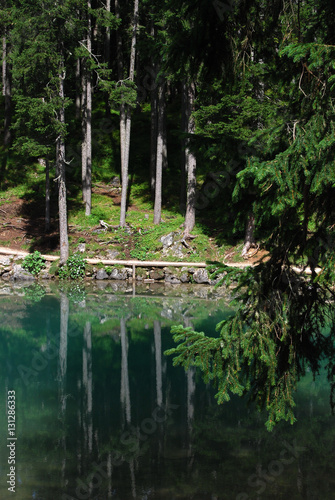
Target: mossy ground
{"type": "Point", "coordinates": [22, 223]}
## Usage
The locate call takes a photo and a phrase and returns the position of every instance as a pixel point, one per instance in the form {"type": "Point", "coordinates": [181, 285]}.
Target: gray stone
{"type": "Point", "coordinates": [101, 275]}
{"type": "Point", "coordinates": [201, 276]}
{"type": "Point", "coordinates": [170, 278]}
{"type": "Point", "coordinates": [112, 254]}
{"type": "Point", "coordinates": [4, 261]}
{"type": "Point", "coordinates": [146, 216]}
{"type": "Point", "coordinates": [184, 278]}
{"type": "Point", "coordinates": [156, 274]}
{"type": "Point", "coordinates": [118, 274]}
{"type": "Point", "coordinates": [21, 274]}
{"type": "Point", "coordinates": [115, 182]}
{"type": "Point", "coordinates": [81, 247]}
{"type": "Point", "coordinates": [167, 240]}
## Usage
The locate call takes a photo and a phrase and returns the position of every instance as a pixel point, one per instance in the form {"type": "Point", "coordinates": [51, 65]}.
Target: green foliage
{"type": "Point", "coordinates": [34, 263]}
{"type": "Point", "coordinates": [279, 331]}
{"type": "Point", "coordinates": [74, 268]}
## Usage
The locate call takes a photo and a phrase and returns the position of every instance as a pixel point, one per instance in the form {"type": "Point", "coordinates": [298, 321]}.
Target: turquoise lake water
{"type": "Point", "coordinates": [101, 413]}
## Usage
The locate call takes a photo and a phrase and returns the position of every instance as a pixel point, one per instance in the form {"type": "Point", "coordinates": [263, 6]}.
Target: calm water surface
{"type": "Point", "coordinates": [101, 413]}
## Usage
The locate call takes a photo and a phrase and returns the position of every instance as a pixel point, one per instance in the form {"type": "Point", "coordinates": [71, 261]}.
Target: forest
{"type": "Point", "coordinates": [221, 110]}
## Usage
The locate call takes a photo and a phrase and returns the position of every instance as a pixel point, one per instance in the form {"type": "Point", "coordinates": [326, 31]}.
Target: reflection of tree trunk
{"type": "Point", "coordinates": [62, 368]}
{"type": "Point", "coordinates": [158, 356]}
{"type": "Point", "coordinates": [125, 392]}
{"type": "Point", "coordinates": [87, 384]}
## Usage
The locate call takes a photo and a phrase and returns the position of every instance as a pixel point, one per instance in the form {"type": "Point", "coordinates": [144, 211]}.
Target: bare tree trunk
{"type": "Point", "coordinates": [87, 117]}
{"type": "Point", "coordinates": [6, 91]}
{"type": "Point", "coordinates": [153, 135]}
{"type": "Point", "coordinates": [84, 130]}
{"type": "Point", "coordinates": [78, 88]}
{"type": "Point", "coordinates": [249, 240]}
{"type": "Point", "coordinates": [60, 166]}
{"type": "Point", "coordinates": [108, 37]}
{"type": "Point", "coordinates": [125, 117]}
{"type": "Point", "coordinates": [191, 164]}
{"type": "Point", "coordinates": [159, 154]}
{"type": "Point", "coordinates": [184, 123]}
{"type": "Point", "coordinates": [47, 196]}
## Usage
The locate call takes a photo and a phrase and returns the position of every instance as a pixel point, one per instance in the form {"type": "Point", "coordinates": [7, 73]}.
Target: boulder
{"type": "Point", "coordinates": [21, 274]}
{"type": "Point", "coordinates": [118, 274]}
{"type": "Point", "coordinates": [101, 275]}
{"type": "Point", "coordinates": [201, 276]}
{"type": "Point", "coordinates": [156, 274]}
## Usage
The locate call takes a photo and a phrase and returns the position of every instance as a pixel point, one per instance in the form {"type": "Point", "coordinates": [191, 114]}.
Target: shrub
{"type": "Point", "coordinates": [33, 263]}
{"type": "Point", "coordinates": [74, 267]}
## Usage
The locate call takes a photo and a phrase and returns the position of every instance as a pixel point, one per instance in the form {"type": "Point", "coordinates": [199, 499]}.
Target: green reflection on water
{"type": "Point", "coordinates": [101, 413]}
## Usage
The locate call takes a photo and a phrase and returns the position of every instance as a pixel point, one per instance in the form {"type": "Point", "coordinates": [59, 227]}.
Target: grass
{"type": "Point", "coordinates": [141, 240]}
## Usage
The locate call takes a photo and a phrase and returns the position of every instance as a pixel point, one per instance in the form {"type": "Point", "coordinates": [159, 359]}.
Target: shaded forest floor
{"type": "Point", "coordinates": [22, 226]}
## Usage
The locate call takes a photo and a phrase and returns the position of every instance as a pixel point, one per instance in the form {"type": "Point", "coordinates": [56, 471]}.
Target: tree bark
{"type": "Point", "coordinates": [87, 117]}
{"type": "Point", "coordinates": [184, 123]}
{"type": "Point", "coordinates": [159, 154]}
{"type": "Point", "coordinates": [153, 134]}
{"type": "Point", "coordinates": [7, 93]}
{"type": "Point", "coordinates": [60, 166]}
{"type": "Point", "coordinates": [191, 163]}
{"type": "Point", "coordinates": [47, 196]}
{"type": "Point", "coordinates": [125, 115]}
{"type": "Point", "coordinates": [249, 240]}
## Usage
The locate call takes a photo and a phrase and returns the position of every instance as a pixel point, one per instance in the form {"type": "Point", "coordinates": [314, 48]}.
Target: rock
{"type": "Point", "coordinates": [112, 254]}
{"type": "Point", "coordinates": [201, 276]}
{"type": "Point", "coordinates": [98, 231]}
{"type": "Point", "coordinates": [171, 278]}
{"type": "Point", "coordinates": [167, 240]}
{"type": "Point", "coordinates": [156, 274]}
{"type": "Point", "coordinates": [101, 275]}
{"type": "Point", "coordinates": [21, 274]}
{"type": "Point", "coordinates": [115, 182]}
{"type": "Point", "coordinates": [184, 278]}
{"type": "Point", "coordinates": [118, 274]}
{"type": "Point", "coordinates": [146, 216]}
{"type": "Point", "coordinates": [81, 247]}
{"type": "Point", "coordinates": [4, 261]}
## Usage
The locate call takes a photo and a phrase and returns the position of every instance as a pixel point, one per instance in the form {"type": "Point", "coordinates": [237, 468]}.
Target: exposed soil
{"type": "Point", "coordinates": [22, 227]}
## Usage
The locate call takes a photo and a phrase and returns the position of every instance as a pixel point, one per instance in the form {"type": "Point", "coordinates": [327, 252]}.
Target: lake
{"type": "Point", "coordinates": [99, 412]}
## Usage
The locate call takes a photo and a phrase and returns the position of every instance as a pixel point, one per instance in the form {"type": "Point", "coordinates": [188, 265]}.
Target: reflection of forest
{"type": "Point", "coordinates": [102, 413]}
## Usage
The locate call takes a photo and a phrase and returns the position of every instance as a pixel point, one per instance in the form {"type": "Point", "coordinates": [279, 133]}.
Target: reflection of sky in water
{"type": "Point", "coordinates": [102, 413]}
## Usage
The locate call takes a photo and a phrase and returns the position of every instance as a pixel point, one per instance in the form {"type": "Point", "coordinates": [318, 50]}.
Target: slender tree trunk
{"type": "Point", "coordinates": [60, 161]}
{"type": "Point", "coordinates": [78, 89]}
{"type": "Point", "coordinates": [87, 124]}
{"type": "Point", "coordinates": [84, 131]}
{"type": "Point", "coordinates": [47, 195]}
{"type": "Point", "coordinates": [125, 115]}
{"type": "Point", "coordinates": [191, 164]}
{"type": "Point", "coordinates": [184, 123]}
{"type": "Point", "coordinates": [159, 154]}
{"type": "Point", "coordinates": [153, 134]}
{"type": "Point", "coordinates": [249, 240]}
{"type": "Point", "coordinates": [7, 93]}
